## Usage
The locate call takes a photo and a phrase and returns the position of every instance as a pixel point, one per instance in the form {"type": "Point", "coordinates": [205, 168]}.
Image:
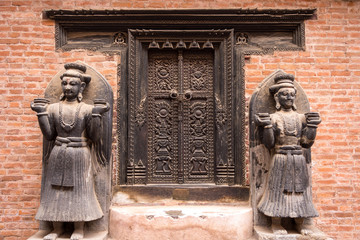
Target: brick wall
{"type": "Point", "coordinates": [329, 71]}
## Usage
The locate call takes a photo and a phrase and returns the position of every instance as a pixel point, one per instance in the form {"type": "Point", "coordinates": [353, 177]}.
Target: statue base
{"type": "Point", "coordinates": [265, 233]}
{"type": "Point", "coordinates": [102, 235]}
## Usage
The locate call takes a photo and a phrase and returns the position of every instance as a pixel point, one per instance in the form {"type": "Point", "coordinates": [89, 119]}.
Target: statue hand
{"type": "Point", "coordinates": [262, 119]}
{"type": "Point", "coordinates": [39, 105]}
{"type": "Point", "coordinates": [313, 118]}
{"type": "Point", "coordinates": [100, 108]}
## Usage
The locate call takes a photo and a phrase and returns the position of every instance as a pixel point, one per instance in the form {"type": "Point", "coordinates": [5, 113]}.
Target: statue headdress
{"type": "Point", "coordinates": [281, 81]}
{"type": "Point", "coordinates": [76, 70]}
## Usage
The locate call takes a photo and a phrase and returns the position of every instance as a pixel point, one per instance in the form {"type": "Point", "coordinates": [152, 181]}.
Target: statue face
{"type": "Point", "coordinates": [71, 87]}
{"type": "Point", "coordinates": [286, 97]}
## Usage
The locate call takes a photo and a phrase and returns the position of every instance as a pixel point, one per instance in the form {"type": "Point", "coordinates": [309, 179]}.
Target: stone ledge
{"type": "Point", "coordinates": [178, 222]}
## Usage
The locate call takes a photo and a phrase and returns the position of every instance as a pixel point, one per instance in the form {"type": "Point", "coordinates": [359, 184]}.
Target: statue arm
{"type": "Point", "coordinates": [267, 122]}
{"type": "Point", "coordinates": [269, 136]}
{"type": "Point", "coordinates": [308, 137]}
{"type": "Point", "coordinates": [46, 125]}
{"type": "Point", "coordinates": [96, 134]}
{"type": "Point", "coordinates": [95, 125]}
{"type": "Point", "coordinates": [309, 129]}
{"type": "Point", "coordinates": [94, 128]}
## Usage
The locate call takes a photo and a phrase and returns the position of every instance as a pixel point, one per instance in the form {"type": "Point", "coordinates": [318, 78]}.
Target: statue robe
{"type": "Point", "coordinates": [68, 193]}
{"type": "Point", "coordinates": [288, 192]}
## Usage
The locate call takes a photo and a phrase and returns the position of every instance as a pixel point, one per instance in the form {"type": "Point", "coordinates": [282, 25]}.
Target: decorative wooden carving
{"type": "Point", "coordinates": [250, 24]}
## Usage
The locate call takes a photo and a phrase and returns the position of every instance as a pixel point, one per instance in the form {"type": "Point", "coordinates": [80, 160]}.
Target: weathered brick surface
{"type": "Point", "coordinates": [329, 71]}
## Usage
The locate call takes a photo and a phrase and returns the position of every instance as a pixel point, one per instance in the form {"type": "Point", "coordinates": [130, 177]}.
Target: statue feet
{"type": "Point", "coordinates": [306, 231]}
{"type": "Point", "coordinates": [78, 232]}
{"type": "Point", "coordinates": [277, 228]}
{"type": "Point", "coordinates": [51, 236]}
{"type": "Point", "coordinates": [301, 227]}
{"type": "Point", "coordinates": [77, 235]}
{"type": "Point", "coordinates": [58, 230]}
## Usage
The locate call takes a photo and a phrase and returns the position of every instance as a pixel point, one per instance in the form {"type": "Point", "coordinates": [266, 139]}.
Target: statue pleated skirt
{"type": "Point", "coordinates": [69, 204]}
{"type": "Point", "coordinates": [288, 192]}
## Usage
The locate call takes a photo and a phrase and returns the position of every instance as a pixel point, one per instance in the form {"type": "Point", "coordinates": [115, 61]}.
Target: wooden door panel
{"type": "Point", "coordinates": [180, 117]}
{"type": "Point", "coordinates": [198, 116]}
{"type": "Point", "coordinates": [162, 115]}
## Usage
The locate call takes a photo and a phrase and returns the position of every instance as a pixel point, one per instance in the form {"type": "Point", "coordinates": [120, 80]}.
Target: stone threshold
{"type": "Point", "coordinates": [178, 222]}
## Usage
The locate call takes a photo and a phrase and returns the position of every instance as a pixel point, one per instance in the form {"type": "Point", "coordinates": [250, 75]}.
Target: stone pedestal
{"type": "Point", "coordinates": [178, 222]}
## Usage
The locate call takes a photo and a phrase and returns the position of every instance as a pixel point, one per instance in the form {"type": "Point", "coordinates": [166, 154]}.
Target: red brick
{"type": "Point", "coordinates": [328, 70]}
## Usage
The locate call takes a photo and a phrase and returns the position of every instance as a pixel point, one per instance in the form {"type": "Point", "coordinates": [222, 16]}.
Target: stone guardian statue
{"type": "Point", "coordinates": [76, 160]}
{"type": "Point", "coordinates": [281, 165]}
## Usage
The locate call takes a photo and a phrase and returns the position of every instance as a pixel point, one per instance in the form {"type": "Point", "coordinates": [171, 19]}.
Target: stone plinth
{"type": "Point", "coordinates": [178, 222]}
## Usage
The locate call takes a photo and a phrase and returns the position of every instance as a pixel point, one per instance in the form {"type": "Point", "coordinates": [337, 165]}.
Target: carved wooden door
{"type": "Point", "coordinates": [180, 116]}
{"type": "Point", "coordinates": [180, 108]}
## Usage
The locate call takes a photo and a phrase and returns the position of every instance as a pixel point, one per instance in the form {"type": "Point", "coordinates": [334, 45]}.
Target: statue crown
{"type": "Point", "coordinates": [76, 66]}
{"type": "Point", "coordinates": [282, 80]}
{"type": "Point", "coordinates": [76, 70]}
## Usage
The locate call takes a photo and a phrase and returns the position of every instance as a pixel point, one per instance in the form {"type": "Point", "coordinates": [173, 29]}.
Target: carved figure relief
{"type": "Point", "coordinates": [288, 135]}
{"type": "Point", "coordinates": [74, 153]}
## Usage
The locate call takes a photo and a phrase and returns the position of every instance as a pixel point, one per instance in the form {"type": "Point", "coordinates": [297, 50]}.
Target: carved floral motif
{"type": "Point", "coordinates": [198, 74]}
{"type": "Point", "coordinates": [163, 75]}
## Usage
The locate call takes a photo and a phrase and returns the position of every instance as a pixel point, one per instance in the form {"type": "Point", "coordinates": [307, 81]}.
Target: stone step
{"type": "Point", "coordinates": [179, 222]}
